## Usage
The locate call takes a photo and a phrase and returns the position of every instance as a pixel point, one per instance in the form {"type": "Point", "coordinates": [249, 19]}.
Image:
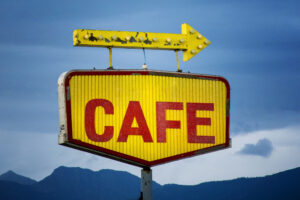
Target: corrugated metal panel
{"type": "Point", "coordinates": [148, 90]}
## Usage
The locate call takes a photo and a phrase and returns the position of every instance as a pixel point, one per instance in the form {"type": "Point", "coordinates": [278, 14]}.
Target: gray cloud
{"type": "Point", "coordinates": [263, 148]}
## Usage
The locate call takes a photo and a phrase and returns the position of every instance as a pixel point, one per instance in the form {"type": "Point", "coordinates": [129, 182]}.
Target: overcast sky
{"type": "Point", "coordinates": [255, 46]}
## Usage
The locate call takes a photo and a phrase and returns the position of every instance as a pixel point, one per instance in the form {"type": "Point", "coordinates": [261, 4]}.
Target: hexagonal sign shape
{"type": "Point", "coordinates": [143, 117]}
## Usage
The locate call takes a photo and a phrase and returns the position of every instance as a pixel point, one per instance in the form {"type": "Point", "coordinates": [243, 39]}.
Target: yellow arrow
{"type": "Point", "coordinates": [190, 41]}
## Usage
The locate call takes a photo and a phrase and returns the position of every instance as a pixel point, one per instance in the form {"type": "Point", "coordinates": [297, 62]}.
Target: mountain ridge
{"type": "Point", "coordinates": [75, 183]}
{"type": "Point", "coordinates": [16, 178]}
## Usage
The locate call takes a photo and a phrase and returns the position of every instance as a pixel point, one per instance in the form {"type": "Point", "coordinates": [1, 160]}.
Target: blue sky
{"type": "Point", "coordinates": [255, 45]}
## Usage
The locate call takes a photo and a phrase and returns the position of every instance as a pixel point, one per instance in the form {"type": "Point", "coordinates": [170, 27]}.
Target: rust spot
{"type": "Point", "coordinates": [132, 39]}
{"type": "Point", "coordinates": [92, 38]}
{"type": "Point", "coordinates": [147, 41]}
{"type": "Point", "coordinates": [122, 41]}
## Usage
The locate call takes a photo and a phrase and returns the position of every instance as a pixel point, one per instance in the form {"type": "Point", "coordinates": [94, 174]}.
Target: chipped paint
{"type": "Point", "coordinates": [92, 38]}
{"type": "Point", "coordinates": [122, 41]}
{"type": "Point", "coordinates": [147, 41]}
{"type": "Point", "coordinates": [132, 39]}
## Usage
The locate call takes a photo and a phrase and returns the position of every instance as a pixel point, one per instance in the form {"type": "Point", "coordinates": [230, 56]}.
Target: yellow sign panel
{"type": "Point", "coordinates": [143, 117]}
{"type": "Point", "coordinates": [190, 41]}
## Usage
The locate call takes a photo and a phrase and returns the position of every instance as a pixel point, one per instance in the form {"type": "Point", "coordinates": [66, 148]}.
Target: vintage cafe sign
{"type": "Point", "coordinates": [143, 117]}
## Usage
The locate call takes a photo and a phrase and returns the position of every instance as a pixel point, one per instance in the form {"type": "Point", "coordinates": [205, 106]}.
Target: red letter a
{"type": "Point", "coordinates": [134, 110]}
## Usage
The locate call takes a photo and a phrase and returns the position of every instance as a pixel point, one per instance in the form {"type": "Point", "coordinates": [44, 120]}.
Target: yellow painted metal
{"type": "Point", "coordinates": [188, 41]}
{"type": "Point", "coordinates": [196, 42]}
{"type": "Point", "coordinates": [120, 89]}
{"type": "Point", "coordinates": [110, 57]}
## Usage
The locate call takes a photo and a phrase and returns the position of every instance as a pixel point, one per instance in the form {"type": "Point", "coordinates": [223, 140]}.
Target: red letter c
{"type": "Point", "coordinates": [90, 120]}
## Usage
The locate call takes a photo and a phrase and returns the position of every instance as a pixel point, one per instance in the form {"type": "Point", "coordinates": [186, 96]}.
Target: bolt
{"type": "Point", "coordinates": [206, 42]}
{"type": "Point", "coordinates": [127, 38]}
{"type": "Point", "coordinates": [100, 37]}
{"type": "Point", "coordinates": [199, 36]}
{"type": "Point", "coordinates": [193, 51]}
{"type": "Point", "coordinates": [86, 36]}
{"type": "Point", "coordinates": [168, 40]}
{"type": "Point", "coordinates": [192, 31]}
{"type": "Point", "coordinates": [155, 39]}
{"type": "Point", "coordinates": [141, 38]}
{"type": "Point", "coordinates": [144, 66]}
{"type": "Point", "coordinates": [181, 40]}
{"type": "Point", "coordinates": [200, 46]}
{"type": "Point", "coordinates": [114, 37]}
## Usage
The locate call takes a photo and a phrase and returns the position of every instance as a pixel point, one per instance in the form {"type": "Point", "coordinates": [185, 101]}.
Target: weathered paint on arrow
{"type": "Point", "coordinates": [190, 41]}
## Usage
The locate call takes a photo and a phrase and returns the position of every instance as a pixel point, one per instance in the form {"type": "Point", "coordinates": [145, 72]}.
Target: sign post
{"type": "Point", "coordinates": [146, 184]}
{"type": "Point", "coordinates": [143, 117]}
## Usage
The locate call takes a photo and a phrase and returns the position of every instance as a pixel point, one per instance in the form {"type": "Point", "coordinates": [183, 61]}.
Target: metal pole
{"type": "Point", "coordinates": [177, 60]}
{"type": "Point", "coordinates": [110, 58]}
{"type": "Point", "coordinates": [178, 70]}
{"type": "Point", "coordinates": [146, 184]}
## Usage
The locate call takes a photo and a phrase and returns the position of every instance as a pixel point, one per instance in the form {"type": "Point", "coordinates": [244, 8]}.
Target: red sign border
{"type": "Point", "coordinates": [126, 158]}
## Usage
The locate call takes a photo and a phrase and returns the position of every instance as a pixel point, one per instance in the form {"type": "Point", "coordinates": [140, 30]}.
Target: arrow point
{"type": "Point", "coordinates": [195, 41]}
